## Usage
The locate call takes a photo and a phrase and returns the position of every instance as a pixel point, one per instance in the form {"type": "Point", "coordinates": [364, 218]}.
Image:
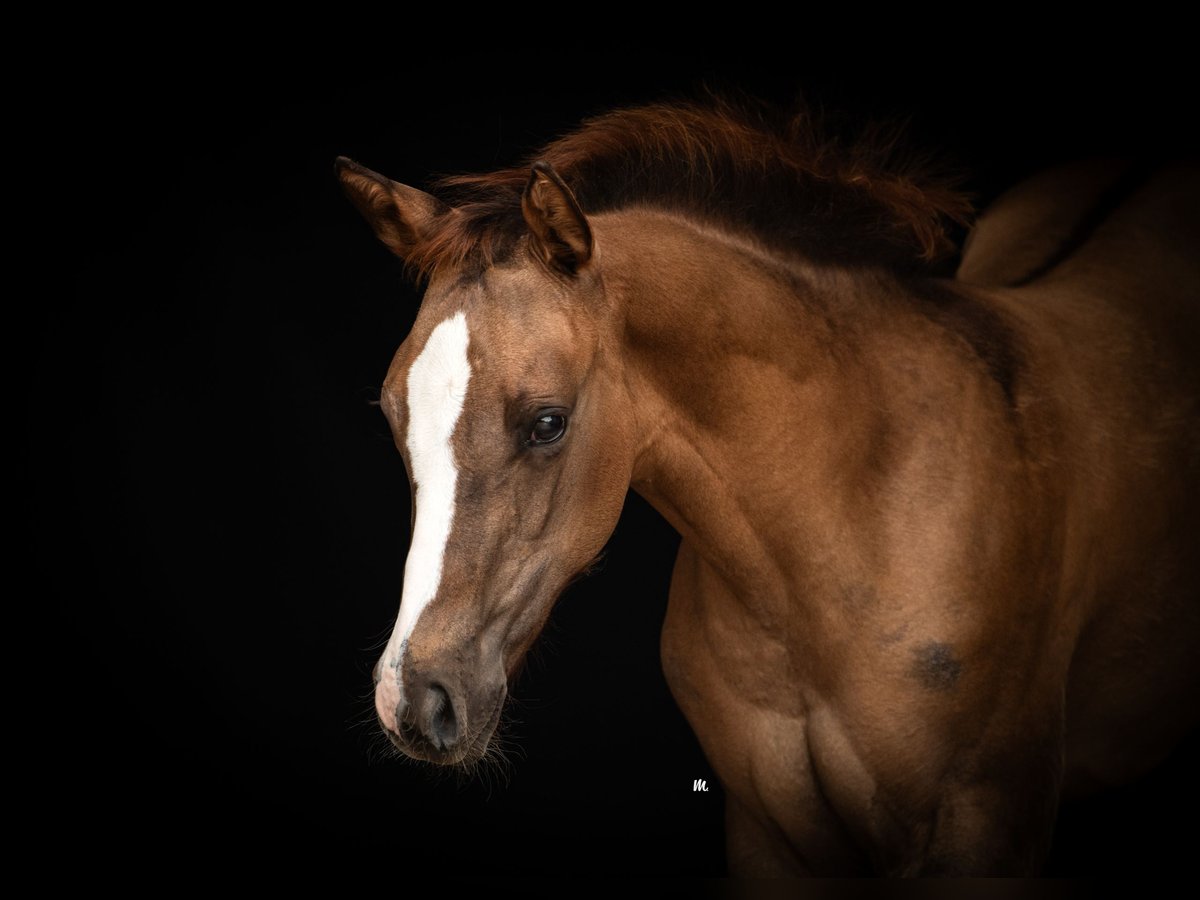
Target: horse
{"type": "Point", "coordinates": [938, 566]}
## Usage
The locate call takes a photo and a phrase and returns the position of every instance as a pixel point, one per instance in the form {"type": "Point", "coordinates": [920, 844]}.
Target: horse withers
{"type": "Point", "coordinates": [939, 535]}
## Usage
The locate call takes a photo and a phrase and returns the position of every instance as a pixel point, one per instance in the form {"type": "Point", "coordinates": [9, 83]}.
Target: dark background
{"type": "Point", "coordinates": [219, 518]}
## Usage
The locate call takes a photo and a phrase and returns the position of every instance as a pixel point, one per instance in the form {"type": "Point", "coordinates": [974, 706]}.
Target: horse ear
{"type": "Point", "coordinates": [400, 215]}
{"type": "Point", "coordinates": [560, 230]}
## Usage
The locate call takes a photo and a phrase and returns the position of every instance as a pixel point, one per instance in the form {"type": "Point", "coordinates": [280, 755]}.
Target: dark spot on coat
{"type": "Point", "coordinates": [936, 667]}
{"type": "Point", "coordinates": [860, 597]}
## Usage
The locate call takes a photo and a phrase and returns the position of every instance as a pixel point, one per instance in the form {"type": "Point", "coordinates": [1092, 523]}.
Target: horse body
{"type": "Point", "coordinates": [938, 556]}
{"type": "Point", "coordinates": [962, 592]}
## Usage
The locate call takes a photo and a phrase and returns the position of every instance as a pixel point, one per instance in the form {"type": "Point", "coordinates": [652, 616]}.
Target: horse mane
{"type": "Point", "coordinates": [773, 177]}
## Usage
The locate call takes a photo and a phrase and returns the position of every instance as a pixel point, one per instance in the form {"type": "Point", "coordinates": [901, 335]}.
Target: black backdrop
{"type": "Point", "coordinates": [219, 517]}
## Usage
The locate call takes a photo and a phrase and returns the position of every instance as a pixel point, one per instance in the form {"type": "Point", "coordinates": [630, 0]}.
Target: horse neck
{"type": "Point", "coordinates": [754, 390]}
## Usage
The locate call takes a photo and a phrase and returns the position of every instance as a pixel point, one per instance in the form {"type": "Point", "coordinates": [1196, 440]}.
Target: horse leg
{"type": "Point", "coordinates": [1000, 824]}
{"type": "Point", "coordinates": [983, 829]}
{"type": "Point", "coordinates": [777, 821]}
{"type": "Point", "coordinates": [754, 847]}
{"type": "Point", "coordinates": [941, 798]}
{"type": "Point", "coordinates": [999, 792]}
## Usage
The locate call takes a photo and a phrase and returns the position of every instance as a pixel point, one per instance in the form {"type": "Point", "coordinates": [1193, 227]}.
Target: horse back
{"type": "Point", "coordinates": [1033, 225]}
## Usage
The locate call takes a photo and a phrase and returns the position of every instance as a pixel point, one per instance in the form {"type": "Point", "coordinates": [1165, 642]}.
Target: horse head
{"type": "Point", "coordinates": [508, 406]}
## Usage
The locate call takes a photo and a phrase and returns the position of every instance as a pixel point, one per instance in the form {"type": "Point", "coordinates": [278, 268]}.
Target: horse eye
{"type": "Point", "coordinates": [548, 428]}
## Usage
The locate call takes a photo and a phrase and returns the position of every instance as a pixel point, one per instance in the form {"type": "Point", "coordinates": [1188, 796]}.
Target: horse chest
{"type": "Point", "coordinates": [797, 759]}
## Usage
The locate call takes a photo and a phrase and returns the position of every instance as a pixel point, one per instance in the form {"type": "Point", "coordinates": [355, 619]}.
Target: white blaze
{"type": "Point", "coordinates": [437, 387]}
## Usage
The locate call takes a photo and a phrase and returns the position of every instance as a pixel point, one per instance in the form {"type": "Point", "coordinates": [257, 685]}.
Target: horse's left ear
{"type": "Point", "coordinates": [560, 232]}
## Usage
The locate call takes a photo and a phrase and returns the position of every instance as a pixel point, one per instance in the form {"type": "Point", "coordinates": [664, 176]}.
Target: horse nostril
{"type": "Point", "coordinates": [441, 725]}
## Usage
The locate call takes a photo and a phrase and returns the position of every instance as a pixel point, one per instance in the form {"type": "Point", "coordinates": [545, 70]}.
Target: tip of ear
{"type": "Point", "coordinates": [345, 164]}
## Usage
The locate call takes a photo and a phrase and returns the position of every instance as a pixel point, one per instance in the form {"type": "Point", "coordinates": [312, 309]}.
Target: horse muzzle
{"type": "Point", "coordinates": [436, 717]}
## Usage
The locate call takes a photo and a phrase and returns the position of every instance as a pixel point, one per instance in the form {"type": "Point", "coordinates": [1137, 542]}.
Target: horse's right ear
{"type": "Point", "coordinates": [560, 232]}
{"type": "Point", "coordinates": [400, 215]}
